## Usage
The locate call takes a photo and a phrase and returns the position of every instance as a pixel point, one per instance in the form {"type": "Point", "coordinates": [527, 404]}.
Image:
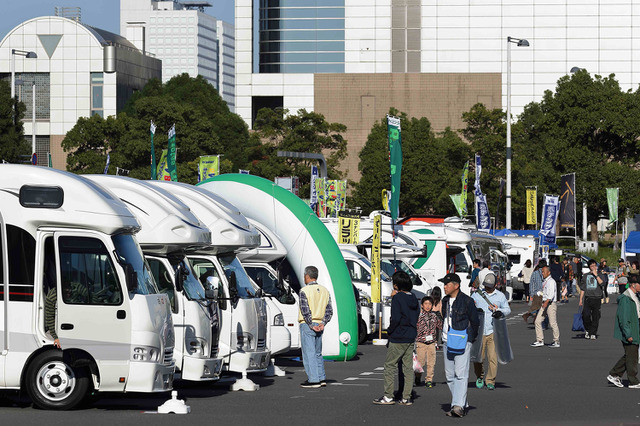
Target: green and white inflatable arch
{"type": "Point", "coordinates": [307, 241]}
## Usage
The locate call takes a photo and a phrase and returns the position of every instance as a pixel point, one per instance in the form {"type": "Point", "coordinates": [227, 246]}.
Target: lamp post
{"type": "Point", "coordinates": [521, 43]}
{"type": "Point", "coordinates": [14, 52]}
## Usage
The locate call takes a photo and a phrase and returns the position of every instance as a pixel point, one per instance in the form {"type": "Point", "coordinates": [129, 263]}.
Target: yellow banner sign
{"type": "Point", "coordinates": [532, 207]}
{"type": "Point", "coordinates": [375, 260]}
{"type": "Point", "coordinates": [348, 230]}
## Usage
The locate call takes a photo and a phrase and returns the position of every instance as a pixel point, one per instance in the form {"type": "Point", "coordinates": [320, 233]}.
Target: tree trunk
{"type": "Point", "coordinates": [594, 231]}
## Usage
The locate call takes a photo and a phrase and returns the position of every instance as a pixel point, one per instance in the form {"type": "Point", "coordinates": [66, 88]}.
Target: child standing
{"type": "Point", "coordinates": [428, 324]}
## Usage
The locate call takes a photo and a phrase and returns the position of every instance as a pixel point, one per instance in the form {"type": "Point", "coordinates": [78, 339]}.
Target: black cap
{"type": "Point", "coordinates": [620, 260]}
{"type": "Point", "coordinates": [450, 278]}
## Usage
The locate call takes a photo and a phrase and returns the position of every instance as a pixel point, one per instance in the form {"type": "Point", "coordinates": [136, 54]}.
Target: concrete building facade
{"type": "Point", "coordinates": [186, 39]}
{"type": "Point", "coordinates": [79, 71]}
{"type": "Point", "coordinates": [283, 46]}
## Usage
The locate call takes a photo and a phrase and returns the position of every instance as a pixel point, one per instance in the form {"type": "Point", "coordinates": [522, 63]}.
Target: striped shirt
{"type": "Point", "coordinates": [536, 282]}
{"type": "Point", "coordinates": [50, 312]}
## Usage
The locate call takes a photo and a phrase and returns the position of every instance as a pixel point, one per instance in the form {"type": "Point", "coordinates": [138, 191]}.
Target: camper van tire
{"type": "Point", "coordinates": [54, 385]}
{"type": "Point", "coordinates": [363, 336]}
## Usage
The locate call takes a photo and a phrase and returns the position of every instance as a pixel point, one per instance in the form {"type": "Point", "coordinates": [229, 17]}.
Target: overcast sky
{"type": "Point", "coordinates": [103, 14]}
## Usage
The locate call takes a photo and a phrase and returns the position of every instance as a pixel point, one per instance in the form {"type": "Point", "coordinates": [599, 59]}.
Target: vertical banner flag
{"type": "Point", "coordinates": [163, 171]}
{"type": "Point", "coordinates": [550, 212]}
{"type": "Point", "coordinates": [612, 200]}
{"type": "Point", "coordinates": [478, 172]}
{"type": "Point", "coordinates": [375, 259]}
{"type": "Point", "coordinates": [395, 164]}
{"type": "Point", "coordinates": [386, 196]}
{"type": "Point", "coordinates": [463, 194]}
{"type": "Point", "coordinates": [483, 219]}
{"type": "Point", "coordinates": [348, 228]}
{"type": "Point", "coordinates": [106, 168]}
{"type": "Point", "coordinates": [171, 155]}
{"type": "Point", "coordinates": [154, 168]}
{"type": "Point", "coordinates": [208, 167]}
{"type": "Point", "coordinates": [567, 216]}
{"type": "Point", "coordinates": [50, 162]}
{"type": "Point", "coordinates": [313, 194]}
{"type": "Point", "coordinates": [532, 206]}
{"type": "Point", "coordinates": [322, 202]}
{"type": "Point", "coordinates": [456, 198]}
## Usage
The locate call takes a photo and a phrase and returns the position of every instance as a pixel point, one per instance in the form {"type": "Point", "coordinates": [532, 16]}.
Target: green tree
{"type": "Point", "coordinates": [431, 169]}
{"type": "Point", "coordinates": [301, 132]}
{"type": "Point", "coordinates": [12, 141]}
{"type": "Point", "coordinates": [89, 141]}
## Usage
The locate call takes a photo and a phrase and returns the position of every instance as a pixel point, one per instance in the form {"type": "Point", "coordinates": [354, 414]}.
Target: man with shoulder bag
{"type": "Point", "coordinates": [459, 331]}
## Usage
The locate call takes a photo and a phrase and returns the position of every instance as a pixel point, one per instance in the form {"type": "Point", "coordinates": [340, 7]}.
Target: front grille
{"type": "Point", "coordinates": [262, 344]}
{"type": "Point", "coordinates": [168, 356]}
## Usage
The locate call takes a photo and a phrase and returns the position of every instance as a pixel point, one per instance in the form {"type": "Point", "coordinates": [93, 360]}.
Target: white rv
{"type": "Point", "coordinates": [519, 249]}
{"type": "Point", "coordinates": [169, 231]}
{"type": "Point", "coordinates": [246, 339]}
{"type": "Point", "coordinates": [69, 241]}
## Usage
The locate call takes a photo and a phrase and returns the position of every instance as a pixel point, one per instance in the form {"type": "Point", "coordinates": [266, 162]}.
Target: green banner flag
{"type": "Point", "coordinates": [395, 164]}
{"type": "Point", "coordinates": [50, 162]}
{"type": "Point", "coordinates": [612, 200]}
{"type": "Point", "coordinates": [163, 171]}
{"type": "Point", "coordinates": [208, 167]}
{"type": "Point", "coordinates": [154, 168]}
{"type": "Point", "coordinates": [457, 201]}
{"type": "Point", "coordinates": [462, 210]}
{"type": "Point", "coordinates": [171, 155]}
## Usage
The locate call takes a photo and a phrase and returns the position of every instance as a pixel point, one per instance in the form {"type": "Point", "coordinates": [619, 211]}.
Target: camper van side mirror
{"type": "Point", "coordinates": [131, 277]}
{"type": "Point", "coordinates": [181, 274]}
{"type": "Point", "coordinates": [233, 287]}
{"type": "Point", "coordinates": [212, 288]}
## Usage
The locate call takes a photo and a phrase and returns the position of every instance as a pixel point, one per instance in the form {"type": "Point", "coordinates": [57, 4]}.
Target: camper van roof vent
{"type": "Point", "coordinates": [42, 197]}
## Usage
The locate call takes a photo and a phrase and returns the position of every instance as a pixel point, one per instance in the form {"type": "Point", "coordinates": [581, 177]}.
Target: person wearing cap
{"type": "Point", "coordinates": [627, 330]}
{"type": "Point", "coordinates": [622, 274]}
{"type": "Point", "coordinates": [459, 313]}
{"type": "Point", "coordinates": [495, 304]}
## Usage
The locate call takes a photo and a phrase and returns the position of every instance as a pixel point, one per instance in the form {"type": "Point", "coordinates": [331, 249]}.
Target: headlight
{"type": "Point", "coordinates": [196, 346]}
{"type": "Point", "coordinates": [145, 354]}
{"type": "Point", "coordinates": [244, 341]}
{"type": "Point", "coordinates": [278, 320]}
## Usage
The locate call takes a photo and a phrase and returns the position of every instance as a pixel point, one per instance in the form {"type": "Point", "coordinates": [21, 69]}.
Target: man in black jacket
{"type": "Point", "coordinates": [402, 334]}
{"type": "Point", "coordinates": [459, 313]}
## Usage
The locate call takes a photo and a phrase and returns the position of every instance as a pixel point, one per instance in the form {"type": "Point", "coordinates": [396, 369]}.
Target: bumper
{"type": "Point", "coordinates": [201, 369]}
{"type": "Point", "coordinates": [149, 377]}
{"type": "Point", "coordinates": [280, 340]}
{"type": "Point", "coordinates": [249, 362]}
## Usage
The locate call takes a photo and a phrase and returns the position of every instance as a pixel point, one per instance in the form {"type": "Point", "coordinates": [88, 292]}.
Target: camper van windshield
{"type": "Point", "coordinates": [230, 263]}
{"type": "Point", "coordinates": [128, 250]}
{"type": "Point", "coordinates": [192, 287]}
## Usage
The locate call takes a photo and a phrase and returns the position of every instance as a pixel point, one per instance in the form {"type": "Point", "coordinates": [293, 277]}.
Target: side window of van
{"type": "Point", "coordinates": [1, 262]}
{"type": "Point", "coordinates": [163, 279]}
{"type": "Point", "coordinates": [87, 273]}
{"type": "Point", "coordinates": [22, 256]}
{"type": "Point", "coordinates": [357, 272]}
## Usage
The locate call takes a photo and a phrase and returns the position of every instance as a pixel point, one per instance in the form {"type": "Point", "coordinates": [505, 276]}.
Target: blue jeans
{"type": "Point", "coordinates": [457, 375]}
{"type": "Point", "coordinates": [311, 343]}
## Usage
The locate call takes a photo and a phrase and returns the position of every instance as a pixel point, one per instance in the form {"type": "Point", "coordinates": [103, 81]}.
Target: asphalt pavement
{"type": "Point", "coordinates": [544, 385]}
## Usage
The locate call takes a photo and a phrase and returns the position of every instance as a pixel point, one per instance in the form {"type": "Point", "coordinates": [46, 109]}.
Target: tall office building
{"type": "Point", "coordinates": [353, 59]}
{"type": "Point", "coordinates": [186, 39]}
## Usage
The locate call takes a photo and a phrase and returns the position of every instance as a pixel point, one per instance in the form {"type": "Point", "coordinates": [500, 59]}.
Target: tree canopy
{"type": "Point", "coordinates": [12, 141]}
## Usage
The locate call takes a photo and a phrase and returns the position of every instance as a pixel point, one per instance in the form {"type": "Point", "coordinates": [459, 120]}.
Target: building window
{"type": "Point", "coordinates": [97, 86]}
{"type": "Point", "coordinates": [24, 92]}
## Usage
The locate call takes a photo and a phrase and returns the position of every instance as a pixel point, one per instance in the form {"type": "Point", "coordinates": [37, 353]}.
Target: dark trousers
{"type": "Point", "coordinates": [591, 314]}
{"type": "Point", "coordinates": [628, 363]}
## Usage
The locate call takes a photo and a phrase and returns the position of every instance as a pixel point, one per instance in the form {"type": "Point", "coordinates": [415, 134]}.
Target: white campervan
{"type": "Point", "coordinates": [67, 240]}
{"type": "Point", "coordinates": [251, 329]}
{"type": "Point", "coordinates": [169, 231]}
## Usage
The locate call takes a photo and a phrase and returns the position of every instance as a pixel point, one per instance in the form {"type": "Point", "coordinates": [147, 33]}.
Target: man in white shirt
{"type": "Point", "coordinates": [549, 308]}
{"type": "Point", "coordinates": [486, 270]}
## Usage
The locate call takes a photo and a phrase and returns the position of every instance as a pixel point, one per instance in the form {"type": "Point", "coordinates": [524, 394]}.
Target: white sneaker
{"type": "Point", "coordinates": [593, 337]}
{"type": "Point", "coordinates": [615, 380]}
{"type": "Point", "coordinates": [537, 344]}
{"type": "Point", "coordinates": [634, 386]}
{"type": "Point", "coordinates": [555, 345]}
{"type": "Point", "coordinates": [586, 334]}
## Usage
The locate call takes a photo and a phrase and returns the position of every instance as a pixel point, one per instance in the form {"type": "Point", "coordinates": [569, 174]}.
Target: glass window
{"type": "Point", "coordinates": [1, 264]}
{"type": "Point", "coordinates": [96, 97]}
{"type": "Point", "coordinates": [302, 35]}
{"type": "Point", "coordinates": [22, 256]}
{"type": "Point", "coordinates": [231, 265]}
{"type": "Point", "coordinates": [461, 264]}
{"type": "Point", "coordinates": [87, 273]}
{"type": "Point", "coordinates": [190, 284]}
{"type": "Point", "coordinates": [301, 3]}
{"type": "Point", "coordinates": [129, 252]}
{"type": "Point", "coordinates": [357, 272]}
{"type": "Point", "coordinates": [163, 278]}
{"type": "Point", "coordinates": [265, 280]}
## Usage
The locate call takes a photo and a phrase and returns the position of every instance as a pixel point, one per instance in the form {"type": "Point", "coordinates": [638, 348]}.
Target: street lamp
{"type": "Point", "coordinates": [574, 70]}
{"type": "Point", "coordinates": [520, 43]}
{"type": "Point", "coordinates": [14, 52]}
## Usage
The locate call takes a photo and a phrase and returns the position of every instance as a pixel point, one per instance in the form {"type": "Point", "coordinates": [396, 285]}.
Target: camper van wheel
{"type": "Point", "coordinates": [54, 385]}
{"type": "Point", "coordinates": [362, 332]}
